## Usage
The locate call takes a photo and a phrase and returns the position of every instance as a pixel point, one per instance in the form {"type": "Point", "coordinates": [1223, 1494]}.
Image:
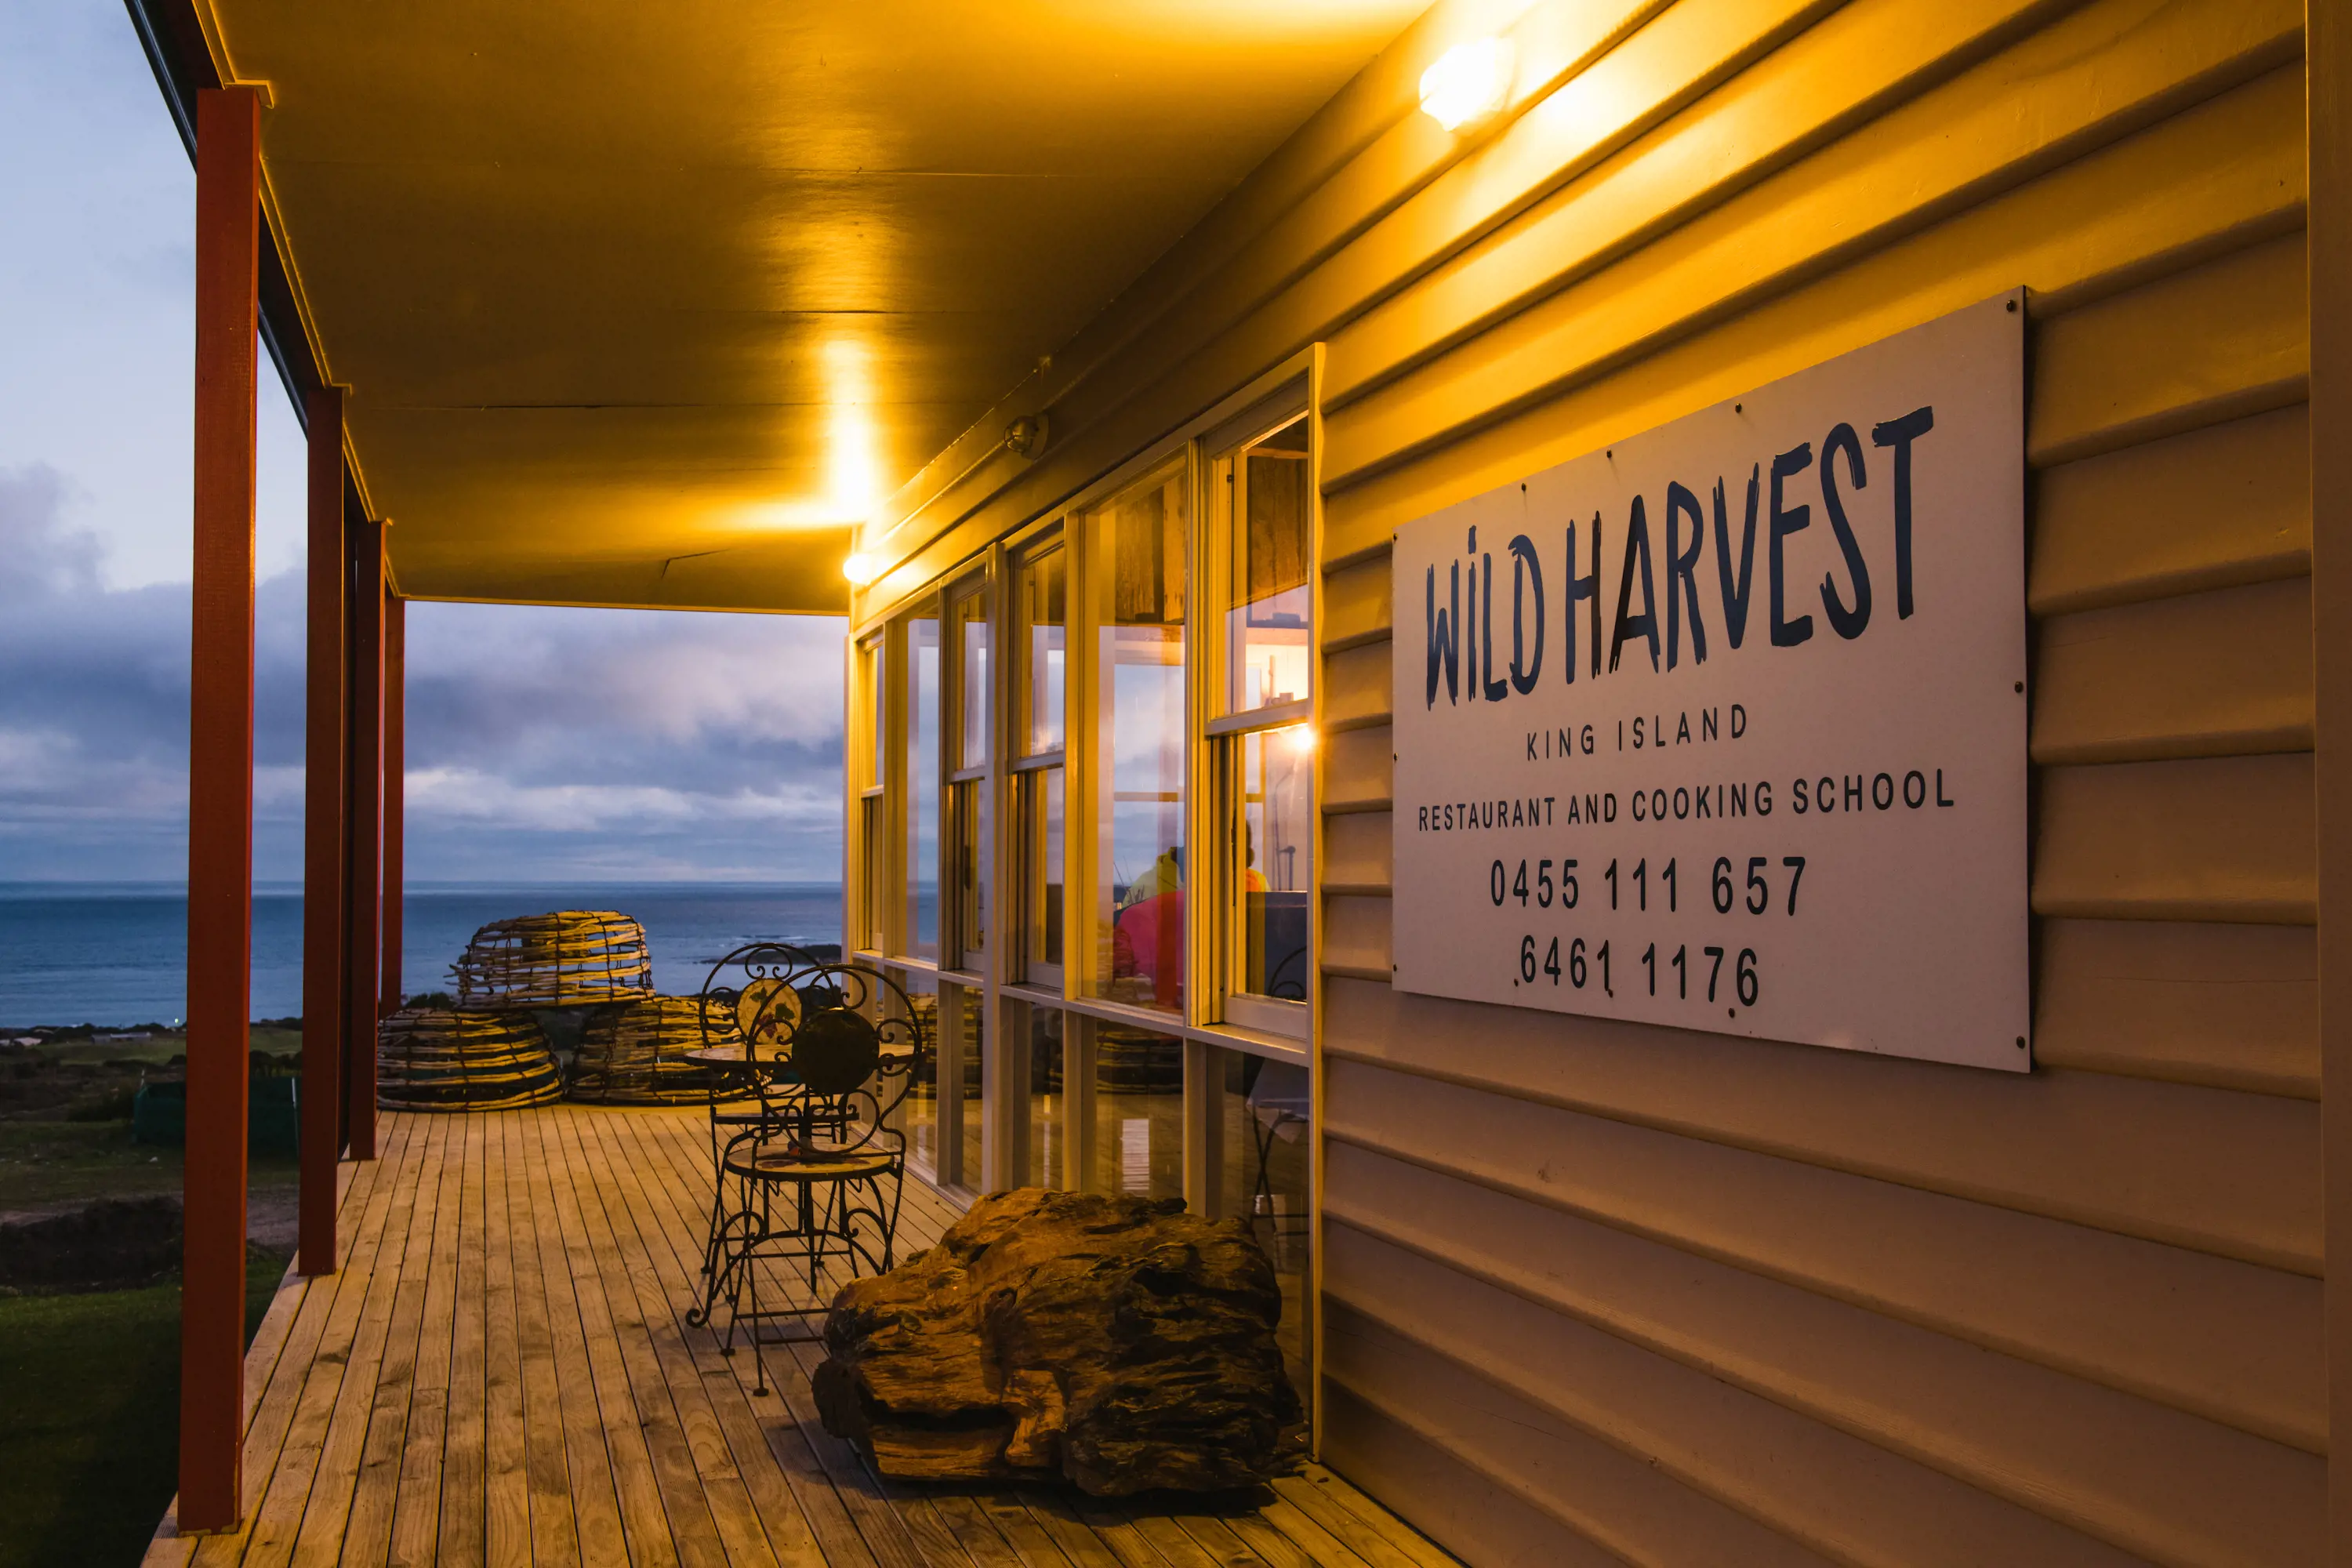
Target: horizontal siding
{"type": "Point", "coordinates": [2099, 74]}
{"type": "Point", "coordinates": [2211, 509]}
{"type": "Point", "coordinates": [1418, 1472]}
{"type": "Point", "coordinates": [2195, 349]}
{"type": "Point", "coordinates": [1356, 688]}
{"type": "Point", "coordinates": [2234, 1175]}
{"type": "Point", "coordinates": [2205, 675]}
{"type": "Point", "coordinates": [2219, 838]}
{"type": "Point", "coordinates": [1356, 601]}
{"type": "Point", "coordinates": [1978, 1273]}
{"type": "Point", "coordinates": [1833, 1478]}
{"type": "Point", "coordinates": [2171, 192]}
{"type": "Point", "coordinates": [2235, 1006]}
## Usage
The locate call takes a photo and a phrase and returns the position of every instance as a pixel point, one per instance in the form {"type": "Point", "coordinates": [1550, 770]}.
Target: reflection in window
{"type": "Point", "coordinates": [961, 1042]}
{"type": "Point", "coordinates": [1268, 1145]}
{"type": "Point", "coordinates": [971, 640]}
{"type": "Point", "coordinates": [1139, 608]}
{"type": "Point", "coordinates": [1046, 1157]}
{"type": "Point", "coordinates": [1041, 834]}
{"type": "Point", "coordinates": [1267, 657]}
{"type": "Point", "coordinates": [1278, 858]}
{"type": "Point", "coordinates": [1040, 589]}
{"type": "Point", "coordinates": [968, 804]}
{"type": "Point", "coordinates": [919, 1112]}
{"type": "Point", "coordinates": [922, 787]}
{"type": "Point", "coordinates": [873, 813]}
{"type": "Point", "coordinates": [1139, 1113]}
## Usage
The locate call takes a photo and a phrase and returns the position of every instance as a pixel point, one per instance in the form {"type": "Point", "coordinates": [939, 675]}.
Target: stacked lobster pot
{"type": "Point", "coordinates": [443, 1058]}
{"type": "Point", "coordinates": [491, 1051]}
{"type": "Point", "coordinates": [638, 1052]}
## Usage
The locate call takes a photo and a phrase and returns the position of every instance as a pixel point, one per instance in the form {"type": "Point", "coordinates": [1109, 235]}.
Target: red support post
{"type": "Point", "coordinates": [395, 804]}
{"type": "Point", "coordinates": [220, 810]}
{"type": "Point", "coordinates": [323, 834]}
{"type": "Point", "coordinates": [364, 546]}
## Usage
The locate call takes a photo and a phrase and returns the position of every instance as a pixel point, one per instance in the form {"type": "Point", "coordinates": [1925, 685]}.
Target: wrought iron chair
{"type": "Point", "coordinates": [809, 1169]}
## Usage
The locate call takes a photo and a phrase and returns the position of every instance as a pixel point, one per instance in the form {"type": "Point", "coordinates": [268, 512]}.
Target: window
{"type": "Point", "coordinates": [1047, 1162]}
{"type": "Point", "coordinates": [1138, 578]}
{"type": "Point", "coordinates": [1136, 1115]}
{"type": "Point", "coordinates": [919, 1112]}
{"type": "Point", "coordinates": [950, 1132]}
{"type": "Point", "coordinates": [1268, 660]}
{"type": "Point", "coordinates": [1265, 1133]}
{"type": "Point", "coordinates": [922, 937]}
{"type": "Point", "coordinates": [873, 804]}
{"type": "Point", "coordinates": [1262, 744]}
{"type": "Point", "coordinates": [1040, 612]}
{"type": "Point", "coordinates": [967, 803]}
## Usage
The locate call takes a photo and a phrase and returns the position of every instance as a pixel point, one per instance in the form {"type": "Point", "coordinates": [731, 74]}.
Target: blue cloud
{"type": "Point", "coordinates": [543, 743]}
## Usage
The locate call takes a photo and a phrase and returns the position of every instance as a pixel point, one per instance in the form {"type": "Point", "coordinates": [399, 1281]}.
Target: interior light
{"type": "Point", "coordinates": [1469, 82]}
{"type": "Point", "coordinates": [861, 568]}
{"type": "Point", "coordinates": [1301, 738]}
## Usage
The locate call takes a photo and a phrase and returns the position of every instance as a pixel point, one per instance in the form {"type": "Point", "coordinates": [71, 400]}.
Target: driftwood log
{"type": "Point", "coordinates": [1116, 1342]}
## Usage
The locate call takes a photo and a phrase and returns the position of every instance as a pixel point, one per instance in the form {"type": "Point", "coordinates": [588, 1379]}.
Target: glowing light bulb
{"type": "Point", "coordinates": [1469, 82]}
{"type": "Point", "coordinates": [861, 568]}
{"type": "Point", "coordinates": [1301, 738]}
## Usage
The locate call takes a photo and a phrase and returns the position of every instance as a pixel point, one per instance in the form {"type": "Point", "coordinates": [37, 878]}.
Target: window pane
{"type": "Point", "coordinates": [919, 1112]}
{"type": "Point", "coordinates": [959, 1046]}
{"type": "Point", "coordinates": [1039, 591]}
{"type": "Point", "coordinates": [873, 832]}
{"type": "Point", "coordinates": [1268, 658]}
{"type": "Point", "coordinates": [869, 676]}
{"type": "Point", "coordinates": [968, 804]}
{"type": "Point", "coordinates": [1278, 858]}
{"type": "Point", "coordinates": [1138, 606]}
{"type": "Point", "coordinates": [972, 639]}
{"type": "Point", "coordinates": [923, 787]}
{"type": "Point", "coordinates": [1045, 1129]}
{"type": "Point", "coordinates": [1267, 1146]}
{"type": "Point", "coordinates": [1138, 1142]}
{"type": "Point", "coordinates": [1041, 832]}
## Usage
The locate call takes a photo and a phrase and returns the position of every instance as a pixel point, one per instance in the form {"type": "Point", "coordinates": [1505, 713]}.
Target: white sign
{"type": "Point", "coordinates": [1724, 728]}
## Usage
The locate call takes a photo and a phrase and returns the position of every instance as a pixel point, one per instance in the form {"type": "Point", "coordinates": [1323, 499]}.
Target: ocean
{"type": "Point", "coordinates": [116, 952]}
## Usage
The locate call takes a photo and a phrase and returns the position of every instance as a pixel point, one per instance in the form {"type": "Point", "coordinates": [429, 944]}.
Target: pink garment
{"type": "Point", "coordinates": [1147, 941]}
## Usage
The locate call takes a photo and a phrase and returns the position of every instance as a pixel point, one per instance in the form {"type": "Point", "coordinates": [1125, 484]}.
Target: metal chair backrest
{"type": "Point", "coordinates": [839, 1045]}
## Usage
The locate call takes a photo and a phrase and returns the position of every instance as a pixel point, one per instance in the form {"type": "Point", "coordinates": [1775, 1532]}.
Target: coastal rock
{"type": "Point", "coordinates": [1119, 1342]}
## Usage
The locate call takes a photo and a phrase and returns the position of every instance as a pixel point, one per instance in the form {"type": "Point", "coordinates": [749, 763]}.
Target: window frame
{"type": "Point", "coordinates": [966, 795]}
{"type": "Point", "coordinates": [872, 828]}
{"type": "Point", "coordinates": [903, 935]}
{"type": "Point", "coordinates": [1024, 770]}
{"type": "Point", "coordinates": [1220, 918]}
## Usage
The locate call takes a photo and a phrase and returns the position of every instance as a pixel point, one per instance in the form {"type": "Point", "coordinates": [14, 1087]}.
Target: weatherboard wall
{"type": "Point", "coordinates": [1598, 1291]}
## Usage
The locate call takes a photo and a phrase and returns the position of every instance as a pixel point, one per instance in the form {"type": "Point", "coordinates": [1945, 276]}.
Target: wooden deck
{"type": "Point", "coordinates": [501, 1375]}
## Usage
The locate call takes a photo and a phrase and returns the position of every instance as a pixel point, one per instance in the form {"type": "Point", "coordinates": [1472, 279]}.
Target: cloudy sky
{"type": "Point", "coordinates": [543, 744]}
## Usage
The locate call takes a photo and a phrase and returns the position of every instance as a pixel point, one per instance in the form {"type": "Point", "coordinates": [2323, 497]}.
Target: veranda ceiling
{"type": "Point", "coordinates": [644, 304]}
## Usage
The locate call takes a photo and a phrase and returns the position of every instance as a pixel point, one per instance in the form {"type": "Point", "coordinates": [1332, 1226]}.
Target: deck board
{"type": "Point", "coordinates": [502, 1372]}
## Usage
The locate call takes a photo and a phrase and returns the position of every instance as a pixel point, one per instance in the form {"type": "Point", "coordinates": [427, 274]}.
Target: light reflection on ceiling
{"type": "Point", "coordinates": [643, 304]}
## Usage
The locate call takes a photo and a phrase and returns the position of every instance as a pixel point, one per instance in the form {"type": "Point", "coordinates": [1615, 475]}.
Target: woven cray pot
{"type": "Point", "coordinates": [1130, 1062]}
{"type": "Point", "coordinates": [441, 1058]}
{"type": "Point", "coordinates": [634, 1052]}
{"type": "Point", "coordinates": [571, 958]}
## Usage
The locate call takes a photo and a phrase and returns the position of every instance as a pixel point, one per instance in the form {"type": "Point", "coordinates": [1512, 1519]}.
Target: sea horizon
{"type": "Point", "coordinates": [112, 953]}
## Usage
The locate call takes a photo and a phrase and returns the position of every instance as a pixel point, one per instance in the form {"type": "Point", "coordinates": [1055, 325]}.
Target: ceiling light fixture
{"type": "Point", "coordinates": [1469, 82]}
{"type": "Point", "coordinates": [861, 568]}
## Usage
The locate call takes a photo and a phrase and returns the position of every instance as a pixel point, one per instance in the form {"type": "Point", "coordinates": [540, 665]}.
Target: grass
{"type": "Point", "coordinates": [89, 1391]}
{"type": "Point", "coordinates": [44, 1164]}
